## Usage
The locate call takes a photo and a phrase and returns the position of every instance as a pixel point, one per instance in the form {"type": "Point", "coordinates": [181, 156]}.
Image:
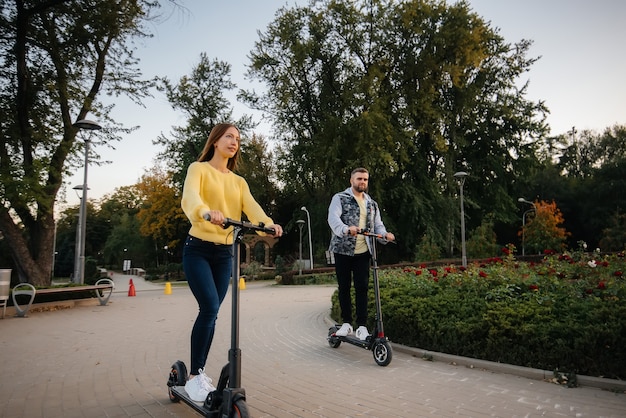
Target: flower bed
{"type": "Point", "coordinates": [566, 313]}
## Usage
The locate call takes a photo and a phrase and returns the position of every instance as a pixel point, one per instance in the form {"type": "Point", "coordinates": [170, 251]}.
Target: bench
{"type": "Point", "coordinates": [103, 289]}
{"type": "Point", "coordinates": [137, 272]}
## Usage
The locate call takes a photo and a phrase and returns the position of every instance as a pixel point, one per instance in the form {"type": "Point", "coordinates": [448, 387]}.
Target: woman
{"type": "Point", "coordinates": [211, 188]}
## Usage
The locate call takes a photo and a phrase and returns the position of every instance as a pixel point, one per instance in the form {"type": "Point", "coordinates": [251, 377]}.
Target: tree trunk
{"type": "Point", "coordinates": [34, 266]}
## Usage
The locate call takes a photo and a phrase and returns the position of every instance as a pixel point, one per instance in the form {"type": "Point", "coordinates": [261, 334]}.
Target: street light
{"type": "Point", "coordinates": [534, 209]}
{"type": "Point", "coordinates": [77, 253]}
{"type": "Point", "coordinates": [460, 175]}
{"type": "Point", "coordinates": [167, 273]}
{"type": "Point", "coordinates": [300, 223]}
{"type": "Point", "coordinates": [90, 126]}
{"type": "Point", "coordinates": [308, 216]}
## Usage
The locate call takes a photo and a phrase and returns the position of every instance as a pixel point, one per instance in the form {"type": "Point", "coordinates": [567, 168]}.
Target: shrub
{"type": "Point", "coordinates": [564, 313]}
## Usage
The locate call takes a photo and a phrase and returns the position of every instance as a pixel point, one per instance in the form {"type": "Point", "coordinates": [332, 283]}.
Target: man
{"type": "Point", "coordinates": [350, 212]}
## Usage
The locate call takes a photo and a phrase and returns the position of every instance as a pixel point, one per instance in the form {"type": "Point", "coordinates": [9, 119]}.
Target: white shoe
{"type": "Point", "coordinates": [362, 333]}
{"type": "Point", "coordinates": [344, 330]}
{"type": "Point", "coordinates": [199, 386]}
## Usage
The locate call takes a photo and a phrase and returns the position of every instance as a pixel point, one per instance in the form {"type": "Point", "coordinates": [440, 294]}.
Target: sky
{"type": "Point", "coordinates": [579, 76]}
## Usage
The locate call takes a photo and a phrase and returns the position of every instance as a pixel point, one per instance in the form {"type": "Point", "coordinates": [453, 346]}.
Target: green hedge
{"type": "Point", "coordinates": [565, 313]}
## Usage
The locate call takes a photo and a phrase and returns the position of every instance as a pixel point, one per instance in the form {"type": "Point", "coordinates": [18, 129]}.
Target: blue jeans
{"type": "Point", "coordinates": [207, 267]}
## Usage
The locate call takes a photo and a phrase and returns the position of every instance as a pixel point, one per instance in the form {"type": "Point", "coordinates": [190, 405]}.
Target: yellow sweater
{"type": "Point", "coordinates": [209, 189]}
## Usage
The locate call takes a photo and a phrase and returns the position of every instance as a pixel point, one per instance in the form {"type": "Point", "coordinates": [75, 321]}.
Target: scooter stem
{"type": "Point", "coordinates": [234, 354]}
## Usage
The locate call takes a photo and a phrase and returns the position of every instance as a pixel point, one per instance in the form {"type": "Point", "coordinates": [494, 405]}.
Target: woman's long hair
{"type": "Point", "coordinates": [209, 147]}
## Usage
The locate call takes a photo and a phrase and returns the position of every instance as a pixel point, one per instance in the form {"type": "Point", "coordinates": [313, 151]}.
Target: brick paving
{"type": "Point", "coordinates": [113, 361]}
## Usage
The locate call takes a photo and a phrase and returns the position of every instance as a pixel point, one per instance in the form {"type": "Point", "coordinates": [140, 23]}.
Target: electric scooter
{"type": "Point", "coordinates": [229, 398]}
{"type": "Point", "coordinates": [377, 342]}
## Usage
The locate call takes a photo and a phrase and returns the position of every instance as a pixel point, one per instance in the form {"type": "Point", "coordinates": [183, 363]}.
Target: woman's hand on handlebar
{"type": "Point", "coordinates": [214, 216]}
{"type": "Point", "coordinates": [278, 230]}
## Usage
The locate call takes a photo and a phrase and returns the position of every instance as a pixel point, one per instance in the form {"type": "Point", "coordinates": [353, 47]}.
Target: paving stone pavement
{"type": "Point", "coordinates": [114, 361]}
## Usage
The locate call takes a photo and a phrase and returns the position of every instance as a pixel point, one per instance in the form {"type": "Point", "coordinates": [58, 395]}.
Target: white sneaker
{"type": "Point", "coordinates": [344, 330]}
{"type": "Point", "coordinates": [362, 333]}
{"type": "Point", "coordinates": [198, 387]}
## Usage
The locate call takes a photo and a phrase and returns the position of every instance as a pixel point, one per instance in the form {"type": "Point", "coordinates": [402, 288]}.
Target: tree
{"type": "Point", "coordinates": [614, 236]}
{"type": "Point", "coordinates": [412, 90]}
{"type": "Point", "coordinates": [120, 208]}
{"type": "Point", "coordinates": [161, 216]}
{"type": "Point", "coordinates": [98, 230]}
{"type": "Point", "coordinates": [58, 57]}
{"type": "Point", "coordinates": [543, 231]}
{"type": "Point", "coordinates": [258, 168]}
{"type": "Point", "coordinates": [201, 97]}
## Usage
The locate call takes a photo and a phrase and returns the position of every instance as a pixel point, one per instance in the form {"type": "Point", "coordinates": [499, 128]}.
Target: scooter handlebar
{"type": "Point", "coordinates": [243, 224]}
{"type": "Point", "coordinates": [379, 237]}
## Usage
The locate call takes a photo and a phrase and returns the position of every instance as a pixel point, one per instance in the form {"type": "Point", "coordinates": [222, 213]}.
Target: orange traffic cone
{"type": "Point", "coordinates": [131, 288]}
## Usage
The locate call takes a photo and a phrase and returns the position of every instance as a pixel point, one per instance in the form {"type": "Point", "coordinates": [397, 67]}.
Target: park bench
{"type": "Point", "coordinates": [103, 290]}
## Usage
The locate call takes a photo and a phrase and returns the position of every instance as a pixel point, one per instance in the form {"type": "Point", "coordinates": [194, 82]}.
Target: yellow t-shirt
{"type": "Point", "coordinates": [361, 245]}
{"type": "Point", "coordinates": [209, 189]}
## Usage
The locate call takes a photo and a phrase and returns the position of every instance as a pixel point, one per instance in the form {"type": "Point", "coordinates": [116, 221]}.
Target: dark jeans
{"type": "Point", "coordinates": [348, 269]}
{"type": "Point", "coordinates": [208, 268]}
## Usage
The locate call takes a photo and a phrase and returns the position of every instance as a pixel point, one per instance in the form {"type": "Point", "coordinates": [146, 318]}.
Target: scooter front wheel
{"type": "Point", "coordinates": [240, 409]}
{"type": "Point", "coordinates": [382, 352]}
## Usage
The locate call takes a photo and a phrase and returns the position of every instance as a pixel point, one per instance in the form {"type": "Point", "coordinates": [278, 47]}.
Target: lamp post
{"type": "Point", "coordinates": [460, 175]}
{"type": "Point", "coordinates": [534, 209]}
{"type": "Point", "coordinates": [90, 126]}
{"type": "Point", "coordinates": [76, 278]}
{"type": "Point", "coordinates": [167, 273]}
{"type": "Point", "coordinates": [308, 216]}
{"type": "Point", "coordinates": [300, 223]}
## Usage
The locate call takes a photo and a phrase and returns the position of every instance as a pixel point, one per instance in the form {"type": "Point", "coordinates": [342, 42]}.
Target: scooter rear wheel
{"type": "Point", "coordinates": [382, 352]}
{"type": "Point", "coordinates": [240, 409]}
{"type": "Point", "coordinates": [178, 377]}
{"type": "Point", "coordinates": [333, 341]}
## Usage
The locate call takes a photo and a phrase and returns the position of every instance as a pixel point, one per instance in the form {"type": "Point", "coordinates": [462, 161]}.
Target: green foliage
{"type": "Point", "coordinates": [482, 242]}
{"type": "Point", "coordinates": [51, 78]}
{"type": "Point", "coordinates": [428, 250]}
{"type": "Point", "coordinates": [614, 235]}
{"type": "Point", "coordinates": [252, 270]}
{"type": "Point", "coordinates": [566, 313]}
{"type": "Point", "coordinates": [201, 96]}
{"type": "Point", "coordinates": [293, 278]}
{"type": "Point", "coordinates": [411, 90]}
{"type": "Point", "coordinates": [279, 264]}
{"type": "Point", "coordinates": [92, 273]}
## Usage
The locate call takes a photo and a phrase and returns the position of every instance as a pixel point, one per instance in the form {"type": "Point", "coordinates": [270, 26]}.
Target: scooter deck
{"type": "Point", "coordinates": [180, 393]}
{"type": "Point", "coordinates": [351, 339]}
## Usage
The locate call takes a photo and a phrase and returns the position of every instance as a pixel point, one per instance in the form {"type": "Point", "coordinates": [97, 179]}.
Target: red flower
{"type": "Point", "coordinates": [601, 285]}
{"type": "Point", "coordinates": [433, 272]}
{"type": "Point", "coordinates": [533, 287]}
{"type": "Point", "coordinates": [418, 272]}
{"type": "Point", "coordinates": [506, 251]}
{"type": "Point", "coordinates": [617, 273]}
{"type": "Point", "coordinates": [423, 265]}
{"type": "Point", "coordinates": [482, 274]}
